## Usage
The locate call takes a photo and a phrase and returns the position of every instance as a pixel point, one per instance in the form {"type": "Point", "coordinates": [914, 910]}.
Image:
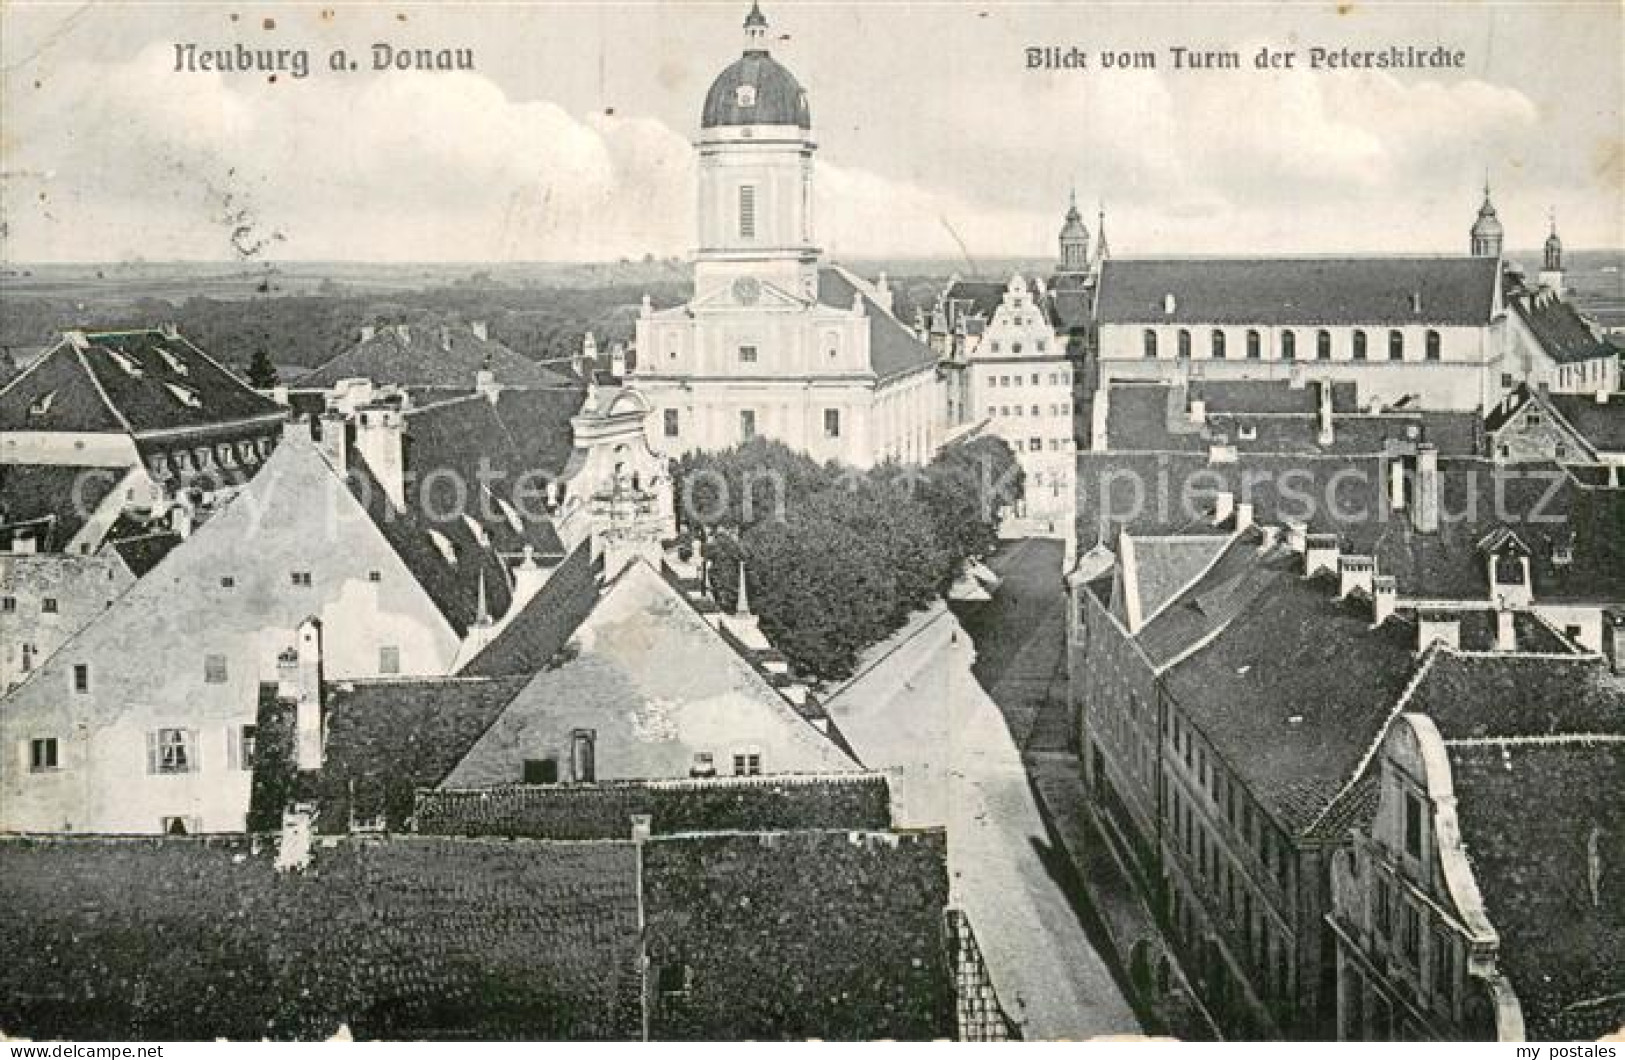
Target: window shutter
{"type": "Point", "coordinates": [152, 751]}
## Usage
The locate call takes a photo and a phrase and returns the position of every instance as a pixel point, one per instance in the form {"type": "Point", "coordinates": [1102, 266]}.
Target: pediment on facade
{"type": "Point", "coordinates": [751, 296]}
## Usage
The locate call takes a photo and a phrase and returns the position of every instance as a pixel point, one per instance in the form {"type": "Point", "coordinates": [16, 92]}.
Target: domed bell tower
{"type": "Point", "coordinates": [1074, 239]}
{"type": "Point", "coordinates": [755, 178]}
{"type": "Point", "coordinates": [1551, 272]}
{"type": "Point", "coordinates": [1487, 232]}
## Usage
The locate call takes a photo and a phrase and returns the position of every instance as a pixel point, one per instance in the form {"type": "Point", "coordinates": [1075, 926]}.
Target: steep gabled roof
{"type": "Point", "coordinates": [894, 350]}
{"type": "Point", "coordinates": [138, 382]}
{"type": "Point", "coordinates": [1559, 329]}
{"type": "Point", "coordinates": [1299, 291]}
{"type": "Point", "coordinates": [1600, 423]}
{"type": "Point", "coordinates": [443, 356]}
{"type": "Point", "coordinates": [51, 502]}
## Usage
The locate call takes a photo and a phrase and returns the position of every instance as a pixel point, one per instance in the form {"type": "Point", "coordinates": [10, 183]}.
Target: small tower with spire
{"type": "Point", "coordinates": [1551, 269]}
{"type": "Point", "coordinates": [755, 30]}
{"type": "Point", "coordinates": [1074, 239]}
{"type": "Point", "coordinates": [1487, 232]}
{"type": "Point", "coordinates": [1101, 253]}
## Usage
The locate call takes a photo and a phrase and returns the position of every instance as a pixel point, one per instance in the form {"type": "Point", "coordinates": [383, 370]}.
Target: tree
{"type": "Point", "coordinates": [262, 374]}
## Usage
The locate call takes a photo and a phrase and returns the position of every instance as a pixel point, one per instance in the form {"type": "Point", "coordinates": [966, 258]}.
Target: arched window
{"type": "Point", "coordinates": [1150, 342]}
{"type": "Point", "coordinates": [1396, 345]}
{"type": "Point", "coordinates": [1433, 345]}
{"type": "Point", "coordinates": [1255, 347]}
{"type": "Point", "coordinates": [1323, 345]}
{"type": "Point", "coordinates": [1184, 344]}
{"type": "Point", "coordinates": [1218, 344]}
{"type": "Point", "coordinates": [1289, 345]}
{"type": "Point", "coordinates": [1359, 345]}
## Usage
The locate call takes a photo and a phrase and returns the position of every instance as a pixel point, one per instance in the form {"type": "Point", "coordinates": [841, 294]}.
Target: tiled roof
{"type": "Point", "coordinates": [534, 637]}
{"type": "Point", "coordinates": [893, 349]}
{"type": "Point", "coordinates": [1559, 329]}
{"type": "Point", "coordinates": [386, 739]}
{"type": "Point", "coordinates": [973, 298]}
{"type": "Point", "coordinates": [1228, 587]}
{"type": "Point", "coordinates": [405, 939]}
{"type": "Point", "coordinates": [1485, 696]}
{"type": "Point", "coordinates": [1302, 291]}
{"type": "Point", "coordinates": [129, 381]}
{"type": "Point", "coordinates": [1538, 821]}
{"type": "Point", "coordinates": [1166, 566]}
{"type": "Point", "coordinates": [1275, 395]}
{"type": "Point", "coordinates": [1294, 691]}
{"type": "Point", "coordinates": [51, 501]}
{"type": "Point", "coordinates": [142, 545]}
{"type": "Point", "coordinates": [443, 356]}
{"type": "Point", "coordinates": [1347, 495]}
{"type": "Point", "coordinates": [1602, 424]}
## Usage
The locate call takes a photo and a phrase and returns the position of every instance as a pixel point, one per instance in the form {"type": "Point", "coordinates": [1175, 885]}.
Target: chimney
{"type": "Point", "coordinates": [180, 520]}
{"type": "Point", "coordinates": [1613, 640]}
{"type": "Point", "coordinates": [307, 694]}
{"type": "Point", "coordinates": [367, 332]}
{"type": "Point", "coordinates": [380, 439]}
{"type": "Point", "coordinates": [1437, 626]}
{"type": "Point", "coordinates": [617, 360]}
{"type": "Point", "coordinates": [1602, 397]}
{"type": "Point", "coordinates": [1384, 598]}
{"type": "Point", "coordinates": [279, 394]}
{"type": "Point", "coordinates": [170, 331]}
{"type": "Point", "coordinates": [1506, 630]}
{"type": "Point", "coordinates": [485, 382]}
{"type": "Point", "coordinates": [1327, 434]}
{"type": "Point", "coordinates": [1297, 537]}
{"type": "Point", "coordinates": [1396, 485]}
{"type": "Point", "coordinates": [1169, 304]}
{"type": "Point", "coordinates": [404, 332]}
{"type": "Point", "coordinates": [1244, 515]}
{"type": "Point", "coordinates": [528, 579]}
{"type": "Point", "coordinates": [883, 293]}
{"type": "Point", "coordinates": [1355, 572]}
{"type": "Point", "coordinates": [296, 429]}
{"type": "Point", "coordinates": [1320, 554]}
{"type": "Point", "coordinates": [1270, 536]}
{"type": "Point", "coordinates": [1198, 410]}
{"type": "Point", "coordinates": [334, 443]}
{"type": "Point", "coordinates": [480, 330]}
{"type": "Point", "coordinates": [1425, 506]}
{"type": "Point", "coordinates": [1224, 506]}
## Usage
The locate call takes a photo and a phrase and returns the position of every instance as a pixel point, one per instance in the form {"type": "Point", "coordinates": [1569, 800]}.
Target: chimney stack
{"type": "Point", "coordinates": [180, 519]}
{"type": "Point", "coordinates": [1384, 598]}
{"type": "Point", "coordinates": [1320, 554]}
{"type": "Point", "coordinates": [334, 442]}
{"type": "Point", "coordinates": [307, 694]}
{"type": "Point", "coordinates": [1270, 536]}
{"type": "Point", "coordinates": [480, 330]}
{"type": "Point", "coordinates": [367, 332]}
{"type": "Point", "coordinates": [1506, 630]}
{"type": "Point", "coordinates": [1224, 506]}
{"type": "Point", "coordinates": [1425, 509]}
{"type": "Point", "coordinates": [1297, 537]}
{"type": "Point", "coordinates": [1198, 410]}
{"type": "Point", "coordinates": [1396, 485]}
{"type": "Point", "coordinates": [617, 360]}
{"type": "Point", "coordinates": [1613, 640]}
{"type": "Point", "coordinates": [1355, 572]}
{"type": "Point", "coordinates": [1244, 516]}
{"type": "Point", "coordinates": [380, 438]}
{"type": "Point", "coordinates": [485, 383]}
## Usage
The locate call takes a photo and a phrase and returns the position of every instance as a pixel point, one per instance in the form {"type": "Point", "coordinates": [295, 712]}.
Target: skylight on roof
{"type": "Point", "coordinates": [175, 364]}
{"type": "Point", "coordinates": [125, 362]}
{"type": "Point", "coordinates": [184, 394]}
{"type": "Point", "coordinates": [443, 543]}
{"type": "Point", "coordinates": [42, 404]}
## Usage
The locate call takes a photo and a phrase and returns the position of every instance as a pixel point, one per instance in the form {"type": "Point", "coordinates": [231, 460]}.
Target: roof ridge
{"type": "Point", "coordinates": [26, 372]}
{"type": "Point", "coordinates": [1549, 739]}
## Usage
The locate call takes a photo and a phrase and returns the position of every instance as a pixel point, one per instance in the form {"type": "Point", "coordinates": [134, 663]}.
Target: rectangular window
{"type": "Point", "coordinates": [8, 604]}
{"type": "Point", "coordinates": [301, 578]}
{"type": "Point", "coordinates": [227, 581]}
{"type": "Point", "coordinates": [748, 764]}
{"type": "Point", "coordinates": [747, 424]}
{"type": "Point", "coordinates": [48, 605]}
{"type": "Point", "coordinates": [747, 355]}
{"type": "Point", "coordinates": [1413, 825]}
{"type": "Point", "coordinates": [389, 659]}
{"type": "Point", "coordinates": [172, 751]}
{"type": "Point", "coordinates": [214, 669]}
{"type": "Point", "coordinates": [747, 211]}
{"type": "Point", "coordinates": [1444, 972]}
{"type": "Point", "coordinates": [1410, 935]}
{"type": "Point", "coordinates": [42, 755]}
{"type": "Point", "coordinates": [583, 756]}
{"type": "Point", "coordinates": [832, 423]}
{"type": "Point", "coordinates": [240, 747]}
{"type": "Point", "coordinates": [671, 426]}
{"type": "Point", "coordinates": [1384, 926]}
{"type": "Point", "coordinates": [375, 576]}
{"type": "Point", "coordinates": [81, 677]}
{"type": "Point", "coordinates": [541, 771]}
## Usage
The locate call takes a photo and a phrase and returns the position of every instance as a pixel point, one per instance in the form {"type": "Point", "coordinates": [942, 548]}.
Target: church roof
{"type": "Point", "coordinates": [894, 350]}
{"type": "Point", "coordinates": [771, 96]}
{"type": "Point", "coordinates": [1458, 291]}
{"type": "Point", "coordinates": [1559, 329]}
{"type": "Point", "coordinates": [443, 356]}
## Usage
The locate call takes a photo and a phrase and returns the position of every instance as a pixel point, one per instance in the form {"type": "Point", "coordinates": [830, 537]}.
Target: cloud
{"type": "Point", "coordinates": [127, 160]}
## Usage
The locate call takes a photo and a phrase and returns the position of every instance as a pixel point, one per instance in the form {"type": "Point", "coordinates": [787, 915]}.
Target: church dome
{"type": "Point", "coordinates": [756, 89]}
{"type": "Point", "coordinates": [1074, 227]}
{"type": "Point", "coordinates": [1488, 224]}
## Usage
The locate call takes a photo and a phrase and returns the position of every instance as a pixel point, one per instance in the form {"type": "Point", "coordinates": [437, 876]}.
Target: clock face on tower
{"type": "Point", "coordinates": [747, 290]}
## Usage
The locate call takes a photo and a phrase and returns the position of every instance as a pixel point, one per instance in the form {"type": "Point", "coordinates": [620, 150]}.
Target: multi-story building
{"type": "Point", "coordinates": [773, 343]}
{"type": "Point", "coordinates": [1540, 425]}
{"type": "Point", "coordinates": [1481, 899]}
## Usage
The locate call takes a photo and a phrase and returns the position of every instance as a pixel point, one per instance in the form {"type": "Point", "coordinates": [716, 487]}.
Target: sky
{"type": "Point", "coordinates": [571, 140]}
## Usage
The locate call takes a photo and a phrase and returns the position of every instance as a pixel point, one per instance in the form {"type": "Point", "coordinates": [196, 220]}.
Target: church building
{"type": "Point", "coordinates": [773, 342]}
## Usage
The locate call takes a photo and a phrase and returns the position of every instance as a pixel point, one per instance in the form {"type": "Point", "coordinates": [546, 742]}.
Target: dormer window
{"type": "Point", "coordinates": [184, 394]}
{"type": "Point", "coordinates": [42, 404]}
{"type": "Point", "coordinates": [125, 363]}
{"type": "Point", "coordinates": [173, 363]}
{"type": "Point", "coordinates": [443, 543]}
{"type": "Point", "coordinates": [745, 95]}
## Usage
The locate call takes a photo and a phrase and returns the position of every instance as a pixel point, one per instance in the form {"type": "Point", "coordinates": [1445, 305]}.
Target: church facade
{"type": "Point", "coordinates": [775, 343]}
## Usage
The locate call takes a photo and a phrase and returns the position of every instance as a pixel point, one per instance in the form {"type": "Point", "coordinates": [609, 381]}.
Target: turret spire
{"type": "Point", "coordinates": [742, 604]}
{"type": "Point", "coordinates": [755, 29]}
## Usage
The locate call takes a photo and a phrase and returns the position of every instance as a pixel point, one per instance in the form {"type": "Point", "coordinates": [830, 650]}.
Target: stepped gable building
{"type": "Point", "coordinates": [148, 398]}
{"type": "Point", "coordinates": [1481, 899]}
{"type": "Point", "coordinates": [1226, 737]}
{"type": "Point", "coordinates": [774, 342]}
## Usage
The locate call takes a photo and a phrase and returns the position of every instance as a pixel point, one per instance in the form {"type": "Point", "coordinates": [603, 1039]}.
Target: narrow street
{"type": "Point", "coordinates": [918, 711]}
